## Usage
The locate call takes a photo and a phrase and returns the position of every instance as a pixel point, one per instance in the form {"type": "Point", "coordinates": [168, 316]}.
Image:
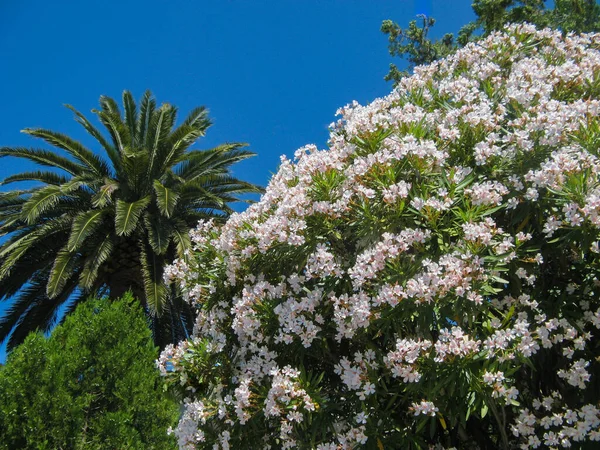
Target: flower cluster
{"type": "Point", "coordinates": [432, 278]}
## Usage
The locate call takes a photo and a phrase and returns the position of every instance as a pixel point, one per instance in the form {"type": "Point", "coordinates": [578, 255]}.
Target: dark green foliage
{"type": "Point", "coordinates": [91, 385]}
{"type": "Point", "coordinates": [108, 221]}
{"type": "Point", "coordinates": [412, 43]}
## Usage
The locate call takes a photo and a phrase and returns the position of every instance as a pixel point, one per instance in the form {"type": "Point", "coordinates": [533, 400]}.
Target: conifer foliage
{"type": "Point", "coordinates": [91, 385]}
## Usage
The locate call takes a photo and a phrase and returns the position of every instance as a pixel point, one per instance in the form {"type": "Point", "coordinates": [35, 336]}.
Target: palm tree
{"type": "Point", "coordinates": [93, 225]}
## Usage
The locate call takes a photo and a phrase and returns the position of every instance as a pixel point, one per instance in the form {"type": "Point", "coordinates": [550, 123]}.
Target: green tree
{"type": "Point", "coordinates": [91, 385]}
{"type": "Point", "coordinates": [93, 225]}
{"type": "Point", "coordinates": [413, 43]}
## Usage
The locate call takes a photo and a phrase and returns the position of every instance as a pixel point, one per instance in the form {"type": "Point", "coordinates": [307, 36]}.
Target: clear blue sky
{"type": "Point", "coordinates": [272, 72]}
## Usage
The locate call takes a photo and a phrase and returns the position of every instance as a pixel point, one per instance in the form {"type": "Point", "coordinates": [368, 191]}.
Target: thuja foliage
{"type": "Point", "coordinates": [91, 385]}
{"type": "Point", "coordinates": [413, 43]}
{"type": "Point", "coordinates": [429, 281]}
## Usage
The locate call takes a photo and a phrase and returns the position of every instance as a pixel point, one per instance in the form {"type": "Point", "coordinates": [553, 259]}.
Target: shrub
{"type": "Point", "coordinates": [91, 385]}
{"type": "Point", "coordinates": [431, 280]}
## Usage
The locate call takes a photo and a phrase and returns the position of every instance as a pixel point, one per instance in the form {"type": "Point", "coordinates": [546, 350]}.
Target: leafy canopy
{"type": "Point", "coordinates": [108, 220]}
{"type": "Point", "coordinates": [91, 385]}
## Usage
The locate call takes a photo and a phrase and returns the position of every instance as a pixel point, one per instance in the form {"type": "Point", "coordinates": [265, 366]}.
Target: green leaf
{"type": "Point", "coordinates": [128, 215]}
{"type": "Point", "coordinates": [484, 410]}
{"type": "Point", "coordinates": [116, 128]}
{"type": "Point", "coordinates": [159, 232]}
{"type": "Point", "coordinates": [103, 196]}
{"type": "Point", "coordinates": [74, 148]}
{"type": "Point", "coordinates": [39, 202]}
{"type": "Point", "coordinates": [155, 289]}
{"type": "Point", "coordinates": [44, 158]}
{"type": "Point", "coordinates": [147, 107]}
{"type": "Point", "coordinates": [166, 199]}
{"type": "Point", "coordinates": [13, 252]}
{"type": "Point", "coordinates": [60, 273]}
{"type": "Point", "coordinates": [93, 262]}
{"type": "Point", "coordinates": [43, 177]}
{"type": "Point", "coordinates": [83, 225]}
{"type": "Point", "coordinates": [182, 240]}
{"type": "Point", "coordinates": [130, 114]}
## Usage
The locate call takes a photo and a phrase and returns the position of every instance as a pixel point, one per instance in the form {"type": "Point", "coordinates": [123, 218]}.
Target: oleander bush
{"type": "Point", "coordinates": [431, 280]}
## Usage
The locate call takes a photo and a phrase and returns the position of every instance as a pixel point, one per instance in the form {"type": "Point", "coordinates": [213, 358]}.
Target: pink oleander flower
{"type": "Point", "coordinates": [440, 260]}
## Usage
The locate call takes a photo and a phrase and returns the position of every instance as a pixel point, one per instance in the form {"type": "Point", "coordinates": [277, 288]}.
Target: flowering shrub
{"type": "Point", "coordinates": [431, 280]}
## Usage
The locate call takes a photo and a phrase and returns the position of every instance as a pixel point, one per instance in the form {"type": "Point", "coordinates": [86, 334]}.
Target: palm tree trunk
{"type": "Point", "coordinates": [124, 273]}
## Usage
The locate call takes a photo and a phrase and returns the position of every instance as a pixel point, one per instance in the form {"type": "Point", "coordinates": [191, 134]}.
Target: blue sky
{"type": "Point", "coordinates": [272, 72]}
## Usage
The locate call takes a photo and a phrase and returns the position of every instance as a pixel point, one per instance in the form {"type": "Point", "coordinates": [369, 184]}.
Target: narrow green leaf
{"type": "Point", "coordinates": [130, 114]}
{"type": "Point", "coordinates": [182, 240]}
{"type": "Point", "coordinates": [60, 273]}
{"type": "Point", "coordinates": [93, 262]}
{"type": "Point", "coordinates": [166, 199]}
{"type": "Point", "coordinates": [155, 289]}
{"type": "Point", "coordinates": [147, 107]}
{"type": "Point", "coordinates": [128, 215]}
{"type": "Point", "coordinates": [43, 177]}
{"type": "Point", "coordinates": [89, 160]}
{"type": "Point", "coordinates": [159, 233]}
{"type": "Point", "coordinates": [44, 158]}
{"type": "Point", "coordinates": [103, 196]}
{"type": "Point", "coordinates": [84, 225]}
{"type": "Point", "coordinates": [91, 129]}
{"type": "Point", "coordinates": [39, 202]}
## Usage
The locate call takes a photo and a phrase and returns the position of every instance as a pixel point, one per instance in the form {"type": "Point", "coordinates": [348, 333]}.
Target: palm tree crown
{"type": "Point", "coordinates": [94, 225]}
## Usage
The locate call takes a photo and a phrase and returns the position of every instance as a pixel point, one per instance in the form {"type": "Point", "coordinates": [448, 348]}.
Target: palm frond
{"type": "Point", "coordinates": [63, 269]}
{"type": "Point", "coordinates": [14, 251]}
{"type": "Point", "coordinates": [226, 184]}
{"type": "Point", "coordinates": [91, 129]}
{"type": "Point", "coordinates": [154, 287]}
{"type": "Point", "coordinates": [97, 256]}
{"type": "Point", "coordinates": [86, 157]}
{"type": "Point", "coordinates": [116, 128]}
{"type": "Point", "coordinates": [42, 177]}
{"type": "Point", "coordinates": [41, 315]}
{"type": "Point", "coordinates": [214, 161]}
{"type": "Point", "coordinates": [178, 142]}
{"type": "Point", "coordinates": [135, 174]}
{"type": "Point", "coordinates": [104, 195]}
{"type": "Point", "coordinates": [44, 158]}
{"type": "Point", "coordinates": [13, 314]}
{"type": "Point", "coordinates": [166, 198]}
{"type": "Point", "coordinates": [181, 238]}
{"type": "Point", "coordinates": [160, 128]}
{"type": "Point", "coordinates": [45, 198]}
{"type": "Point", "coordinates": [159, 232]}
{"type": "Point", "coordinates": [33, 239]}
{"type": "Point", "coordinates": [193, 127]}
{"type": "Point", "coordinates": [85, 224]}
{"type": "Point", "coordinates": [110, 106]}
{"type": "Point", "coordinates": [131, 118]}
{"type": "Point", "coordinates": [147, 107]}
{"type": "Point", "coordinates": [198, 118]}
{"type": "Point", "coordinates": [25, 269]}
{"type": "Point", "coordinates": [128, 214]}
